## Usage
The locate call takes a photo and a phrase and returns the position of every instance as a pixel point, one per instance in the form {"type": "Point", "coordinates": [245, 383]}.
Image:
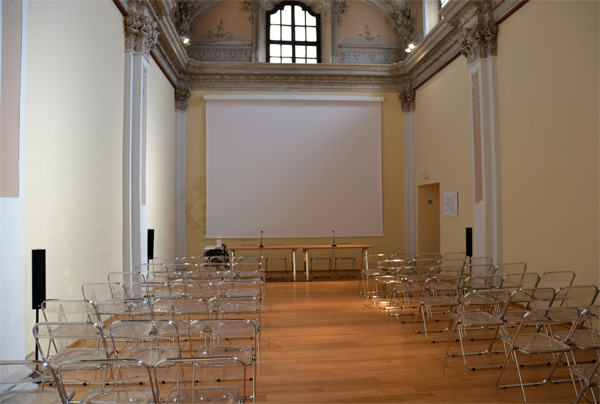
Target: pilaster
{"type": "Point", "coordinates": [182, 95]}
{"type": "Point", "coordinates": [140, 38]}
{"type": "Point", "coordinates": [479, 45]}
{"type": "Point", "coordinates": [407, 99]}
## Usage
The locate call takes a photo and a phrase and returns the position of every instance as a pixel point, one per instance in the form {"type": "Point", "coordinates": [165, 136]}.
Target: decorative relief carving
{"type": "Point", "coordinates": [366, 49]}
{"type": "Point", "coordinates": [250, 6]}
{"type": "Point", "coordinates": [183, 16]}
{"type": "Point", "coordinates": [367, 35]}
{"type": "Point", "coordinates": [219, 34]}
{"type": "Point", "coordinates": [216, 53]}
{"type": "Point", "coordinates": [340, 7]}
{"type": "Point", "coordinates": [182, 95]}
{"type": "Point", "coordinates": [140, 33]}
{"type": "Point", "coordinates": [407, 99]}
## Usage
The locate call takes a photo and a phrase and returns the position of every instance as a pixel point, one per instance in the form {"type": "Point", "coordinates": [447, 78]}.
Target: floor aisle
{"type": "Point", "coordinates": [322, 342]}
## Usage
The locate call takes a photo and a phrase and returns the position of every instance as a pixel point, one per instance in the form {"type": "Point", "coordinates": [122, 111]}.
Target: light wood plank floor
{"type": "Point", "coordinates": [322, 342]}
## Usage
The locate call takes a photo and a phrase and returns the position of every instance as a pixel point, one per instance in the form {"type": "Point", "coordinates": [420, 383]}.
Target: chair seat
{"type": "Point", "coordinates": [478, 319]}
{"type": "Point", "coordinates": [585, 371]}
{"type": "Point", "coordinates": [76, 354]}
{"type": "Point", "coordinates": [217, 395]}
{"type": "Point", "coordinates": [536, 343]}
{"type": "Point", "coordinates": [233, 329]}
{"type": "Point", "coordinates": [46, 396]}
{"type": "Point", "coordinates": [151, 356]}
{"type": "Point", "coordinates": [240, 352]}
{"type": "Point", "coordinates": [408, 288]}
{"type": "Point", "coordinates": [374, 272]}
{"type": "Point", "coordinates": [118, 395]}
{"type": "Point", "coordinates": [438, 301]}
{"type": "Point", "coordinates": [239, 307]}
{"type": "Point", "coordinates": [583, 339]}
{"type": "Point", "coordinates": [514, 316]}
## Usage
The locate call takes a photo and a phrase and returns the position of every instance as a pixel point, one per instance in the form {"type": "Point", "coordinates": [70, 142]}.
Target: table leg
{"type": "Point", "coordinates": [294, 265]}
{"type": "Point", "coordinates": [366, 254]}
{"type": "Point", "coordinates": [306, 263]}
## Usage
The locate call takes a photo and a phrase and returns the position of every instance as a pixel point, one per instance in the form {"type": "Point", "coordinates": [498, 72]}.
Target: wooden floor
{"type": "Point", "coordinates": [322, 342]}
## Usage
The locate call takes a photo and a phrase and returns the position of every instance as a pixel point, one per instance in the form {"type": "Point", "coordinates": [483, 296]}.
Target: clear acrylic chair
{"type": "Point", "coordinates": [164, 260]}
{"type": "Point", "coordinates": [112, 381]}
{"type": "Point", "coordinates": [479, 310]}
{"type": "Point", "coordinates": [146, 340]}
{"type": "Point", "coordinates": [519, 280]}
{"type": "Point", "coordinates": [23, 381]}
{"type": "Point", "coordinates": [556, 279]}
{"type": "Point", "coordinates": [539, 342]}
{"type": "Point", "coordinates": [194, 289]}
{"type": "Point", "coordinates": [125, 278]}
{"type": "Point", "coordinates": [406, 292]}
{"type": "Point", "coordinates": [372, 267]}
{"type": "Point", "coordinates": [511, 268]}
{"type": "Point", "coordinates": [219, 379]}
{"type": "Point", "coordinates": [441, 295]}
{"type": "Point", "coordinates": [96, 291]}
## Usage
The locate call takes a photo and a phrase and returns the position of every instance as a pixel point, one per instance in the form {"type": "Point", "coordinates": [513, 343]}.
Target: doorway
{"type": "Point", "coordinates": [429, 218]}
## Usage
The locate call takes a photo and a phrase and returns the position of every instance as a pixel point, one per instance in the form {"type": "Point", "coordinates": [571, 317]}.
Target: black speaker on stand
{"type": "Point", "coordinates": [469, 242]}
{"type": "Point", "coordinates": [38, 284]}
{"type": "Point", "coordinates": [150, 244]}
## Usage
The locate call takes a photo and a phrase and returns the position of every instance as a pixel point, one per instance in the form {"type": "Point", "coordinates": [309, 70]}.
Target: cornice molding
{"type": "Point", "coordinates": [442, 45]}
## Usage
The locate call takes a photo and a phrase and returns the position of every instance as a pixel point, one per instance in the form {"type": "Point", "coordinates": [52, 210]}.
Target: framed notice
{"type": "Point", "coordinates": [450, 203]}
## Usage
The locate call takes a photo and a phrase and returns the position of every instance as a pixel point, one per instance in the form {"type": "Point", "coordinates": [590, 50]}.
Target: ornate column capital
{"type": "Point", "coordinates": [481, 40]}
{"type": "Point", "coordinates": [407, 98]}
{"type": "Point", "coordinates": [140, 33]}
{"type": "Point", "coordinates": [182, 95]}
{"type": "Point", "coordinates": [404, 25]}
{"type": "Point", "coordinates": [339, 7]}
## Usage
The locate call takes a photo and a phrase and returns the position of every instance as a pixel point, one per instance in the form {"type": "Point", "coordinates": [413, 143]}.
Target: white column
{"type": "Point", "coordinates": [13, 45]}
{"type": "Point", "coordinates": [140, 37]}
{"type": "Point", "coordinates": [407, 98]}
{"type": "Point", "coordinates": [479, 45]}
{"type": "Point", "coordinates": [182, 94]}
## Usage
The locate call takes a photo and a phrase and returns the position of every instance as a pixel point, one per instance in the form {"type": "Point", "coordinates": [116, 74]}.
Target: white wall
{"type": "Point", "coordinates": [73, 142]}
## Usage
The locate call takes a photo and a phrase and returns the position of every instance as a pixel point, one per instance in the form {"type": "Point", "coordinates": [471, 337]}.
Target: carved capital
{"type": "Point", "coordinates": [480, 41]}
{"type": "Point", "coordinates": [340, 7]}
{"type": "Point", "coordinates": [182, 95]}
{"type": "Point", "coordinates": [183, 16]}
{"type": "Point", "coordinates": [404, 25]}
{"type": "Point", "coordinates": [407, 98]}
{"type": "Point", "coordinates": [140, 33]}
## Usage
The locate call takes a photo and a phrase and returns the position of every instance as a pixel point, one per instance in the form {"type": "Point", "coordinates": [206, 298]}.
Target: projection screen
{"type": "Point", "coordinates": [293, 166]}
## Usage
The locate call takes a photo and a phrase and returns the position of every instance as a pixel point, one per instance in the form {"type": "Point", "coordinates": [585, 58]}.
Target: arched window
{"type": "Point", "coordinates": [293, 34]}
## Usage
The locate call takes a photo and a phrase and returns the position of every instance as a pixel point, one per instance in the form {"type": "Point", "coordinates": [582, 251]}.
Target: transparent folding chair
{"type": "Point", "coordinates": [202, 380]}
{"type": "Point", "coordinates": [526, 299]}
{"type": "Point", "coordinates": [111, 310]}
{"type": "Point", "coordinates": [439, 293]}
{"type": "Point", "coordinates": [519, 280]}
{"type": "Point", "coordinates": [148, 290]}
{"type": "Point", "coordinates": [483, 282]}
{"type": "Point", "coordinates": [343, 255]}
{"type": "Point", "coordinates": [194, 289]}
{"type": "Point", "coordinates": [384, 284]}
{"type": "Point", "coordinates": [23, 382]}
{"type": "Point", "coordinates": [58, 342]}
{"type": "Point", "coordinates": [410, 287]}
{"type": "Point", "coordinates": [273, 256]}
{"type": "Point", "coordinates": [479, 269]}
{"type": "Point", "coordinates": [252, 276]}
{"type": "Point", "coordinates": [146, 340]}
{"type": "Point", "coordinates": [511, 268]}
{"type": "Point", "coordinates": [239, 289]}
{"type": "Point", "coordinates": [59, 311]}
{"type": "Point", "coordinates": [481, 311]}
{"type": "Point", "coordinates": [372, 269]}
{"type": "Point", "coordinates": [164, 260]}
{"type": "Point", "coordinates": [539, 342]}
{"type": "Point", "coordinates": [580, 296]}
{"type": "Point", "coordinates": [96, 291]}
{"type": "Point", "coordinates": [235, 307]}
{"type": "Point", "coordinates": [125, 278]}
{"type": "Point", "coordinates": [406, 257]}
{"type": "Point", "coordinates": [179, 309]}
{"type": "Point", "coordinates": [556, 279]}
{"type": "Point", "coordinates": [112, 381]}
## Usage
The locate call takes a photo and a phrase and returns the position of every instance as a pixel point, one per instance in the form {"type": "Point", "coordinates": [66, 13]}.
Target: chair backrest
{"type": "Point", "coordinates": [519, 280]}
{"type": "Point", "coordinates": [238, 288]}
{"type": "Point", "coordinates": [126, 278]}
{"type": "Point", "coordinates": [96, 291]}
{"type": "Point", "coordinates": [133, 309]}
{"type": "Point", "coordinates": [581, 296]}
{"type": "Point", "coordinates": [20, 374]}
{"type": "Point", "coordinates": [476, 282]}
{"type": "Point", "coordinates": [215, 266]}
{"type": "Point", "coordinates": [450, 262]}
{"type": "Point", "coordinates": [372, 260]}
{"type": "Point", "coordinates": [198, 260]}
{"type": "Point", "coordinates": [70, 311]}
{"type": "Point", "coordinates": [183, 268]}
{"type": "Point", "coordinates": [148, 290]}
{"type": "Point", "coordinates": [423, 262]}
{"type": "Point", "coordinates": [511, 268]}
{"type": "Point", "coordinates": [204, 276]}
{"type": "Point", "coordinates": [169, 309]}
{"type": "Point", "coordinates": [402, 256]}
{"type": "Point", "coordinates": [194, 289]}
{"type": "Point", "coordinates": [148, 267]}
{"type": "Point", "coordinates": [497, 298]}
{"type": "Point", "coordinates": [531, 297]}
{"type": "Point", "coordinates": [429, 256]}
{"type": "Point", "coordinates": [164, 260]}
{"type": "Point", "coordinates": [220, 306]}
{"type": "Point", "coordinates": [449, 270]}
{"type": "Point", "coordinates": [414, 274]}
{"type": "Point", "coordinates": [556, 279]}
{"type": "Point", "coordinates": [481, 269]}
{"type": "Point", "coordinates": [61, 335]}
{"type": "Point", "coordinates": [151, 332]}
{"type": "Point", "coordinates": [448, 283]}
{"type": "Point", "coordinates": [455, 255]}
{"type": "Point", "coordinates": [480, 261]}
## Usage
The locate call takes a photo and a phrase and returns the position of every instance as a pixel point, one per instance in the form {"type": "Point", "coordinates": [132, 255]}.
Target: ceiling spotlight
{"type": "Point", "coordinates": [186, 40]}
{"type": "Point", "coordinates": [411, 46]}
{"type": "Point", "coordinates": [407, 50]}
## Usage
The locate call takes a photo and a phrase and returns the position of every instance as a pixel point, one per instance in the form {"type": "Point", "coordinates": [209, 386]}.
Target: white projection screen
{"type": "Point", "coordinates": [293, 166]}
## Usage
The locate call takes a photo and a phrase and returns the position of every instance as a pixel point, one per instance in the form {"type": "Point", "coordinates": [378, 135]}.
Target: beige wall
{"type": "Point", "coordinates": [444, 146]}
{"type": "Point", "coordinates": [161, 162]}
{"type": "Point", "coordinates": [234, 20]}
{"type": "Point", "coordinates": [393, 182]}
{"type": "Point", "coordinates": [548, 104]}
{"type": "Point", "coordinates": [73, 144]}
